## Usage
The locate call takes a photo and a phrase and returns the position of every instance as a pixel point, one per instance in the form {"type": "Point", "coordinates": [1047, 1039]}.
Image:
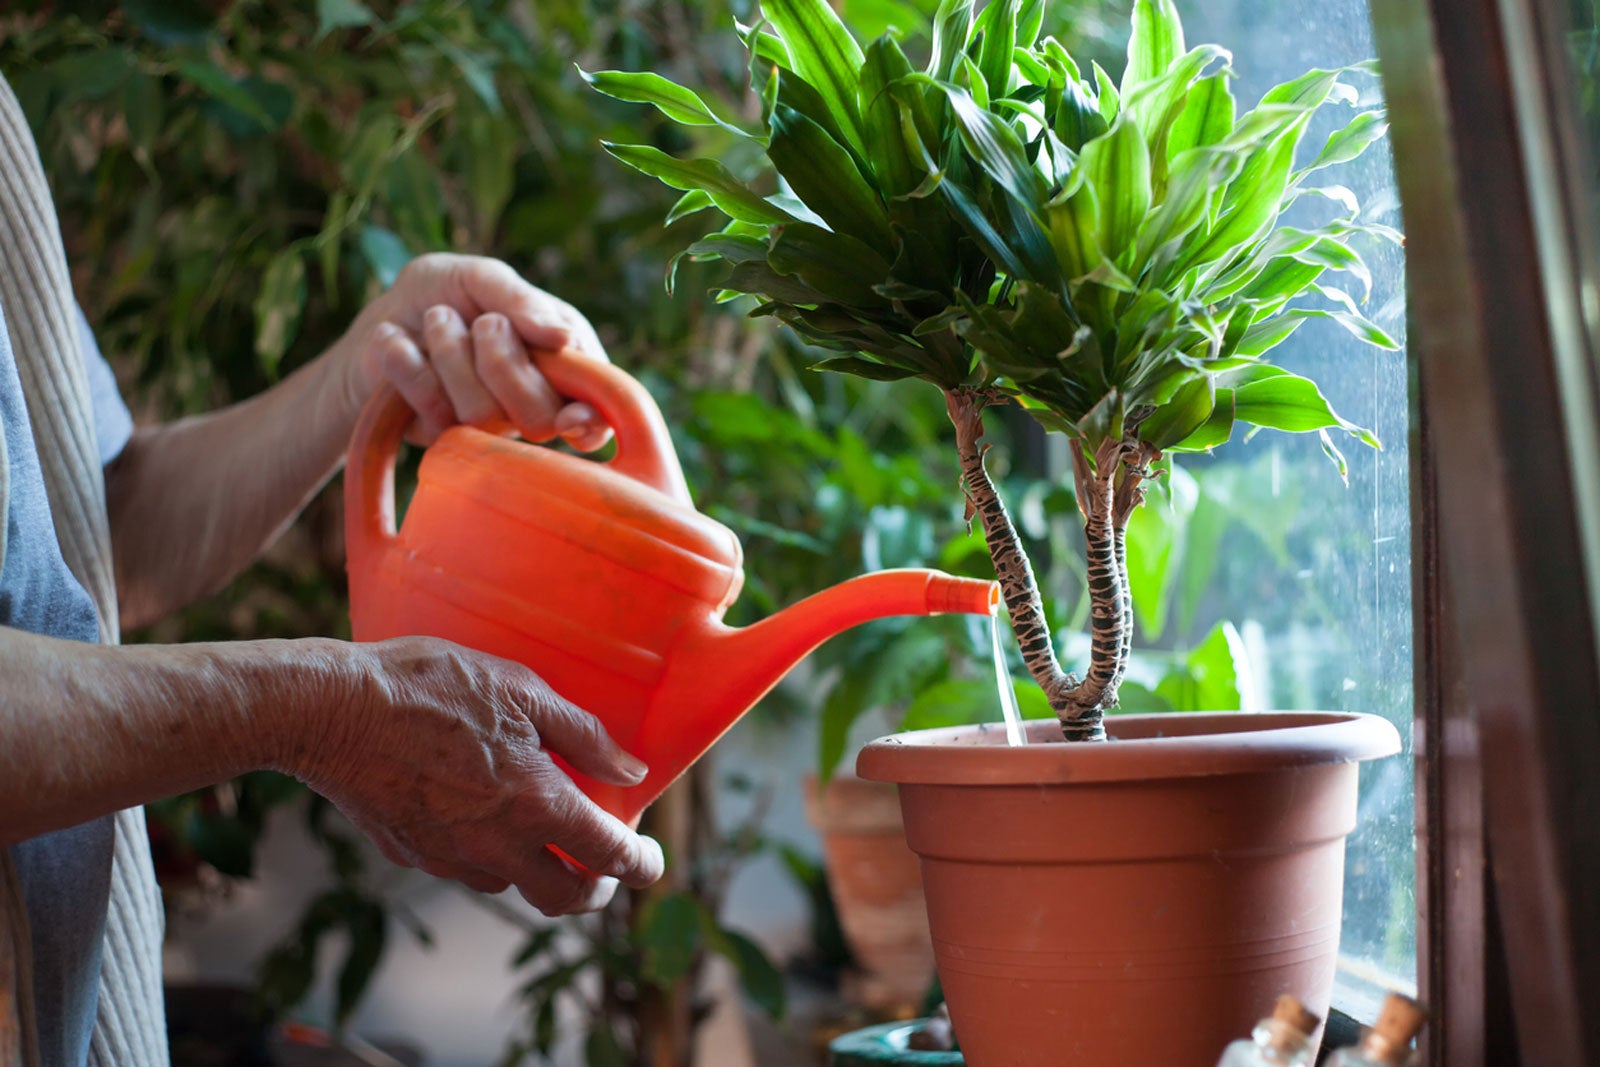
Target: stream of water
{"type": "Point", "coordinates": [1015, 735]}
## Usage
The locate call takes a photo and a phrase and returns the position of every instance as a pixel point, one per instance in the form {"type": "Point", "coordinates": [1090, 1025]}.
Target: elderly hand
{"type": "Point", "coordinates": [444, 762]}
{"type": "Point", "coordinates": [453, 336]}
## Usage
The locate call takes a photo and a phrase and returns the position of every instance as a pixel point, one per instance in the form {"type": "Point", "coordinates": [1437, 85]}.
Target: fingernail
{"type": "Point", "coordinates": [634, 767]}
{"type": "Point", "coordinates": [436, 316]}
{"type": "Point", "coordinates": [385, 331]}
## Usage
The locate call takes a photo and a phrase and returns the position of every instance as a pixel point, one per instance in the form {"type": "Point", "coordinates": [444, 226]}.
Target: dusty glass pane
{"type": "Point", "coordinates": [1316, 575]}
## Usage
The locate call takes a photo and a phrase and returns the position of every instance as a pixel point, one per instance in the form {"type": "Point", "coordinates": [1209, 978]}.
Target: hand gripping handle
{"type": "Point", "coordinates": [644, 446]}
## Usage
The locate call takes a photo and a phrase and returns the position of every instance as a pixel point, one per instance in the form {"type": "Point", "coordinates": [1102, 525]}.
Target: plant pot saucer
{"type": "Point", "coordinates": [886, 1043]}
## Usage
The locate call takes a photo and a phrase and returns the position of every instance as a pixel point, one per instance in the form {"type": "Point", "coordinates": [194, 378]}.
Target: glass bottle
{"type": "Point", "coordinates": [1388, 1042]}
{"type": "Point", "coordinates": [1281, 1040]}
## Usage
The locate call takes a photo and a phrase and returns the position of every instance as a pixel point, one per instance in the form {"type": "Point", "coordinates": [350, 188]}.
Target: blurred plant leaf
{"type": "Point", "coordinates": [278, 308]}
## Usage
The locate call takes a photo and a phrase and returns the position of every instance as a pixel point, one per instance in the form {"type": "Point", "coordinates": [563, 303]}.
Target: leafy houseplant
{"type": "Point", "coordinates": [1007, 226]}
{"type": "Point", "coordinates": [1116, 257]}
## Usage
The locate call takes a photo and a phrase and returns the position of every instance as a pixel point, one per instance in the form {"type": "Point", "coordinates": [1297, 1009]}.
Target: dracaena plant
{"type": "Point", "coordinates": [1110, 254]}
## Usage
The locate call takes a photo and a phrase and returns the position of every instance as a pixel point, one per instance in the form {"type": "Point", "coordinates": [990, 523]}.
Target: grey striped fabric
{"type": "Point", "coordinates": [36, 291]}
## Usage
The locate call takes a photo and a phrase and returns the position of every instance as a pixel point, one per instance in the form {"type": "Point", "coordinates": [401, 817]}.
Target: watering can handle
{"type": "Point", "coordinates": [644, 446]}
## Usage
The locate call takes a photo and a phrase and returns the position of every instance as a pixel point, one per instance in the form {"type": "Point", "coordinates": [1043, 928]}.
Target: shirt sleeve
{"type": "Point", "coordinates": [113, 424]}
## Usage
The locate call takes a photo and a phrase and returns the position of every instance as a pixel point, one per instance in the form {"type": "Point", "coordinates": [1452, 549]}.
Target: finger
{"type": "Point", "coordinates": [556, 887]}
{"type": "Point", "coordinates": [540, 319]}
{"type": "Point", "coordinates": [471, 877]}
{"type": "Point", "coordinates": [504, 367]}
{"type": "Point", "coordinates": [582, 427]}
{"type": "Point", "coordinates": [580, 739]}
{"type": "Point", "coordinates": [450, 351]}
{"type": "Point", "coordinates": [402, 365]}
{"type": "Point", "coordinates": [599, 840]}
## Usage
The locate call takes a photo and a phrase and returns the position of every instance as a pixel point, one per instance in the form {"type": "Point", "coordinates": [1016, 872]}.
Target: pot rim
{"type": "Point", "coordinates": [1163, 745]}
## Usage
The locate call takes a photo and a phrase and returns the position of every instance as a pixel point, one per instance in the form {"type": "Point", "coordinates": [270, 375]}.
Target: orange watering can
{"type": "Point", "coordinates": [600, 576]}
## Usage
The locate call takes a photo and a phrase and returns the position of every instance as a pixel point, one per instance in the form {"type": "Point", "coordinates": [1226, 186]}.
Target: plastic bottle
{"type": "Point", "coordinates": [1281, 1040]}
{"type": "Point", "coordinates": [1388, 1043]}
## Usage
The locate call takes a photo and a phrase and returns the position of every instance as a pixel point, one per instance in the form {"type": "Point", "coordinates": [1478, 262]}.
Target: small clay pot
{"type": "Point", "coordinates": [876, 882]}
{"type": "Point", "coordinates": [1135, 902]}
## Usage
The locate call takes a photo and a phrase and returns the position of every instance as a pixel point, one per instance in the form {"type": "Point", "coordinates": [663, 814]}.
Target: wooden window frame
{"type": "Point", "coordinates": [1493, 177]}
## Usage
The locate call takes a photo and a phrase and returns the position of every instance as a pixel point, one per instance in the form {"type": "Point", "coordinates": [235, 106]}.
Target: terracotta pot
{"type": "Point", "coordinates": [1138, 903]}
{"type": "Point", "coordinates": [876, 884]}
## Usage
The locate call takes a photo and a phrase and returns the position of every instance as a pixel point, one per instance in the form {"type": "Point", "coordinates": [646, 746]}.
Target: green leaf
{"type": "Point", "coordinates": [732, 196]}
{"type": "Point", "coordinates": [341, 14]}
{"type": "Point", "coordinates": [1206, 118]}
{"type": "Point", "coordinates": [1073, 222]}
{"type": "Point", "coordinates": [1333, 254]}
{"type": "Point", "coordinates": [761, 980]}
{"type": "Point", "coordinates": [732, 247]}
{"type": "Point", "coordinates": [952, 702]}
{"type": "Point", "coordinates": [386, 254]}
{"type": "Point", "coordinates": [1310, 90]}
{"type": "Point", "coordinates": [834, 264]}
{"type": "Point", "coordinates": [1118, 166]}
{"type": "Point", "coordinates": [759, 279]}
{"type": "Point", "coordinates": [1250, 206]}
{"type": "Point", "coordinates": [1155, 43]}
{"type": "Point", "coordinates": [824, 54]}
{"type": "Point", "coordinates": [90, 75]}
{"type": "Point", "coordinates": [602, 1049]}
{"type": "Point", "coordinates": [671, 99]}
{"type": "Point", "coordinates": [1157, 552]}
{"type": "Point", "coordinates": [1135, 699]}
{"type": "Point", "coordinates": [1346, 144]}
{"type": "Point", "coordinates": [999, 41]}
{"type": "Point", "coordinates": [688, 204]}
{"type": "Point", "coordinates": [952, 26]}
{"type": "Point", "coordinates": [477, 70]}
{"type": "Point", "coordinates": [669, 934]}
{"type": "Point", "coordinates": [1262, 337]}
{"type": "Point", "coordinates": [1273, 398]}
{"type": "Point", "coordinates": [1188, 410]}
{"type": "Point", "coordinates": [171, 22]}
{"type": "Point", "coordinates": [278, 306]}
{"type": "Point", "coordinates": [894, 164]}
{"type": "Point", "coordinates": [538, 943]}
{"type": "Point", "coordinates": [219, 86]}
{"type": "Point", "coordinates": [995, 147]}
{"type": "Point", "coordinates": [864, 368]}
{"type": "Point", "coordinates": [1208, 678]}
{"type": "Point", "coordinates": [367, 927]}
{"type": "Point", "coordinates": [1214, 431]}
{"type": "Point", "coordinates": [825, 177]}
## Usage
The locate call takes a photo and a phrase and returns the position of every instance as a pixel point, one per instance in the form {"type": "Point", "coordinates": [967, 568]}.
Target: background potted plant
{"type": "Point", "coordinates": [1113, 258]}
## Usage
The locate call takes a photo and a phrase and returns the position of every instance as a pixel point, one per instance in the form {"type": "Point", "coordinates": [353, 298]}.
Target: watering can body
{"type": "Point", "coordinates": [600, 576]}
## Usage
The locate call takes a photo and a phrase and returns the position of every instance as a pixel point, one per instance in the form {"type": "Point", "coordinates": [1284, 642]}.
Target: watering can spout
{"type": "Point", "coordinates": [746, 663]}
{"type": "Point", "coordinates": [715, 679]}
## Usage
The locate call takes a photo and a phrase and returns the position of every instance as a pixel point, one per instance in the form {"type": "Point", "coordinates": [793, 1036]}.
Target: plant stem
{"type": "Point", "coordinates": [1110, 620]}
{"type": "Point", "coordinates": [1011, 566]}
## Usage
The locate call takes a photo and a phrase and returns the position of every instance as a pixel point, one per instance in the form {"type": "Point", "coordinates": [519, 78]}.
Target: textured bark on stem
{"type": "Point", "coordinates": [1110, 620]}
{"type": "Point", "coordinates": [1011, 566]}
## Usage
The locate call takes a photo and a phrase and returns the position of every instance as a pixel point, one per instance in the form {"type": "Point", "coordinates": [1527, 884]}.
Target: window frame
{"type": "Point", "coordinates": [1500, 232]}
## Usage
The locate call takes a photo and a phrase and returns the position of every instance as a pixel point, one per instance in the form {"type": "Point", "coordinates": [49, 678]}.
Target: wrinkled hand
{"type": "Point", "coordinates": [444, 762]}
{"type": "Point", "coordinates": [453, 336]}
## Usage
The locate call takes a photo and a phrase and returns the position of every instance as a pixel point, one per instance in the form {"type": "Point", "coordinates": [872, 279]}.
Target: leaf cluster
{"type": "Point", "coordinates": [1111, 253]}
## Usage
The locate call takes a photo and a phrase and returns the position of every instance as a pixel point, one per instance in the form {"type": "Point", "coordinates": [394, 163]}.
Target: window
{"type": "Point", "coordinates": [1317, 576]}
